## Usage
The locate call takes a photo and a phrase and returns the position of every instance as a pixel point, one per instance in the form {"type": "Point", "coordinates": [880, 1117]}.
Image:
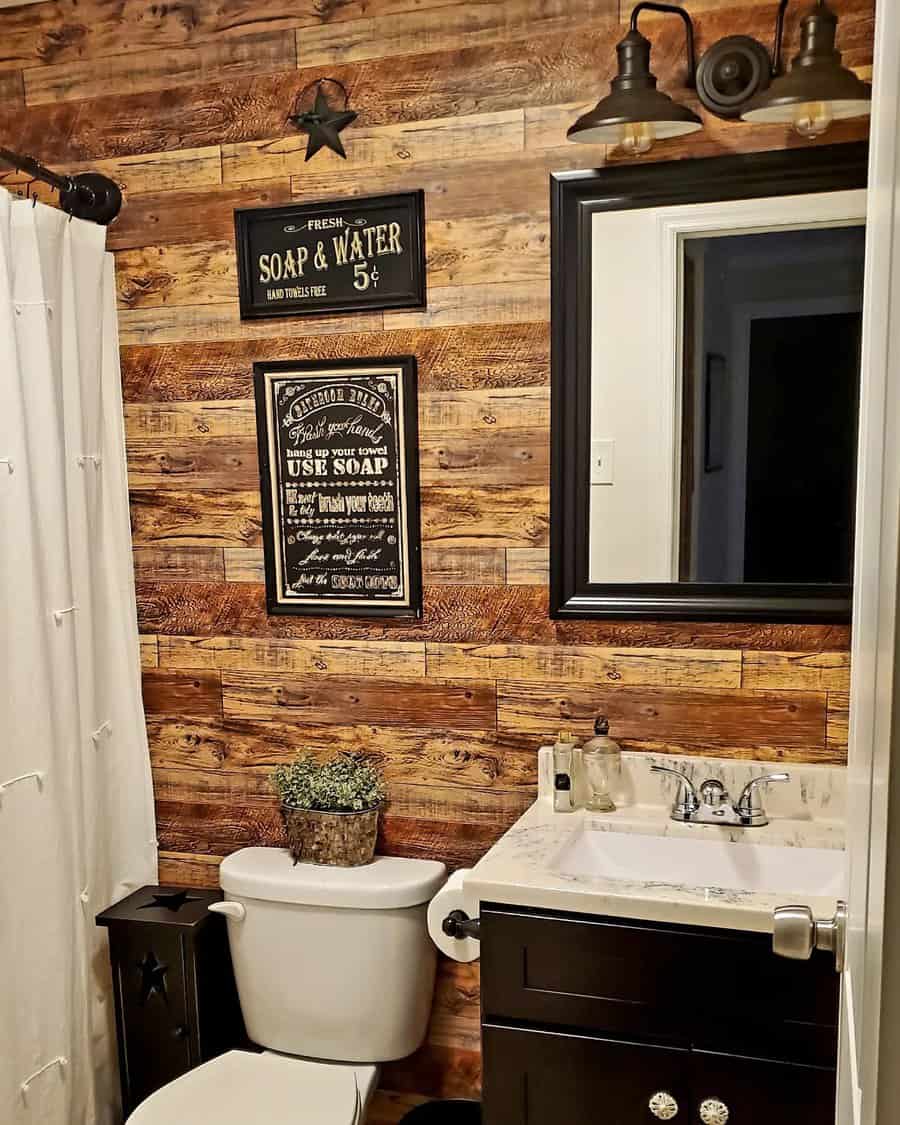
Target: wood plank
{"type": "Point", "coordinates": [218, 828]}
{"type": "Point", "coordinates": [448, 804]}
{"type": "Point", "coordinates": [161, 171]}
{"type": "Point", "coordinates": [152, 218]}
{"type": "Point", "coordinates": [458, 614]}
{"type": "Point", "coordinates": [502, 457]}
{"type": "Point", "coordinates": [189, 870]}
{"type": "Point", "coordinates": [510, 302]}
{"type": "Point", "coordinates": [420, 755]}
{"type": "Point", "coordinates": [149, 652]}
{"type": "Point", "coordinates": [377, 659]}
{"type": "Point", "coordinates": [463, 566]}
{"type": "Point", "coordinates": [816, 671]}
{"type": "Point", "coordinates": [456, 25]}
{"type": "Point", "coordinates": [202, 273]}
{"type": "Point", "coordinates": [244, 564]}
{"type": "Point", "coordinates": [139, 71]}
{"type": "Point", "coordinates": [501, 248]}
{"type": "Point", "coordinates": [485, 410]}
{"type": "Point", "coordinates": [766, 725]}
{"type": "Point", "coordinates": [172, 324]}
{"type": "Point", "coordinates": [195, 694]}
{"type": "Point", "coordinates": [179, 564]}
{"type": "Point", "coordinates": [216, 518]}
{"type": "Point", "coordinates": [337, 699]}
{"type": "Point", "coordinates": [442, 566]}
{"type": "Point", "coordinates": [527, 566]}
{"type": "Point", "coordinates": [451, 517]}
{"type": "Point", "coordinates": [454, 188]}
{"type": "Point", "coordinates": [11, 90]}
{"type": "Point", "coordinates": [440, 1072]}
{"type": "Point", "coordinates": [404, 144]}
{"type": "Point", "coordinates": [229, 419]}
{"type": "Point", "coordinates": [473, 357]}
{"type": "Point", "coordinates": [213, 463]}
{"type": "Point", "coordinates": [670, 667]}
{"type": "Point", "coordinates": [69, 30]}
{"type": "Point", "coordinates": [515, 516]}
{"type": "Point", "coordinates": [838, 723]}
{"type": "Point", "coordinates": [456, 1010]}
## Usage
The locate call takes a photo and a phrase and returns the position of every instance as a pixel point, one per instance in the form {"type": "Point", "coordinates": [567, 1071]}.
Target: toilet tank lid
{"type": "Point", "coordinates": [387, 882]}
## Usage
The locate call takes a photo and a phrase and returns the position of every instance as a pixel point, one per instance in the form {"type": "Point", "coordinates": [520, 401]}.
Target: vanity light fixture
{"type": "Point", "coordinates": [635, 114]}
{"type": "Point", "coordinates": [735, 78]}
{"type": "Point", "coordinates": [818, 89]}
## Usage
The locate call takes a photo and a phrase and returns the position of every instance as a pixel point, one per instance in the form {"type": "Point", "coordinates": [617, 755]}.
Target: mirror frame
{"type": "Point", "coordinates": [575, 198]}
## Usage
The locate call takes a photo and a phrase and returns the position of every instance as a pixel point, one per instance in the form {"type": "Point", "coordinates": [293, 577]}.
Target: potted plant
{"type": "Point", "coordinates": [330, 809]}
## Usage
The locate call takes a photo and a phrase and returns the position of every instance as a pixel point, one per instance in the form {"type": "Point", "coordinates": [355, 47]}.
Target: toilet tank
{"type": "Point", "coordinates": [332, 962]}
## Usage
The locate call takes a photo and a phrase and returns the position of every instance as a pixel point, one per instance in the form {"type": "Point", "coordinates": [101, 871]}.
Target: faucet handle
{"type": "Point", "coordinates": [749, 805]}
{"type": "Point", "coordinates": [686, 802]}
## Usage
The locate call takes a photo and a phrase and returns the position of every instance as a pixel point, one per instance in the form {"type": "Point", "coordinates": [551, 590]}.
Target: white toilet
{"type": "Point", "coordinates": [335, 973]}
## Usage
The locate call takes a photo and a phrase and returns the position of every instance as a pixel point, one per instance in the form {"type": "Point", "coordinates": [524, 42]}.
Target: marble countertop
{"type": "Point", "coordinates": [522, 868]}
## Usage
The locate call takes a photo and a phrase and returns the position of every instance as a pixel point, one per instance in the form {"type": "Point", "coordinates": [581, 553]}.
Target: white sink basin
{"type": "Point", "coordinates": [673, 860]}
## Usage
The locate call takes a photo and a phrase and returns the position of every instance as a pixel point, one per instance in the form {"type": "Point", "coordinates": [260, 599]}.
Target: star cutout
{"type": "Point", "coordinates": [169, 900]}
{"type": "Point", "coordinates": [153, 978]}
{"type": "Point", "coordinates": [322, 124]}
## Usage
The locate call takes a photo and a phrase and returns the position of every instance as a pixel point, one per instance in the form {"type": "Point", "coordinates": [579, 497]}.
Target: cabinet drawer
{"type": "Point", "coordinates": [549, 1078]}
{"type": "Point", "coordinates": [757, 1091]}
{"type": "Point", "coordinates": [621, 978]}
{"type": "Point", "coordinates": [718, 990]}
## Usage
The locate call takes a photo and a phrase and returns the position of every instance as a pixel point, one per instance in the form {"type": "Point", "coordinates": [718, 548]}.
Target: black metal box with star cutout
{"type": "Point", "coordinates": [338, 454]}
{"type": "Point", "coordinates": [341, 256]}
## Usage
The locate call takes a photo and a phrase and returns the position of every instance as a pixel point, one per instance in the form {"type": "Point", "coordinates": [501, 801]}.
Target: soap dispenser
{"type": "Point", "coordinates": [563, 765]}
{"type": "Point", "coordinates": [601, 756]}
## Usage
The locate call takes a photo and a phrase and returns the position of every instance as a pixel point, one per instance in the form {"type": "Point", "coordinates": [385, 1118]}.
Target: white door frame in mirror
{"type": "Point", "coordinates": [636, 354]}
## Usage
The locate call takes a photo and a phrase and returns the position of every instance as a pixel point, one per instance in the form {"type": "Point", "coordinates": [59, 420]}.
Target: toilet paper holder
{"type": "Point", "coordinates": [458, 924]}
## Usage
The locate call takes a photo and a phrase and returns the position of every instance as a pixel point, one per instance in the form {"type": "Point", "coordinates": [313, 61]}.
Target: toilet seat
{"type": "Point", "coordinates": [242, 1088]}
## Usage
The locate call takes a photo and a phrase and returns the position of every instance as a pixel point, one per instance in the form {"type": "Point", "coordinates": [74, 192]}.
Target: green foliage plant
{"type": "Point", "coordinates": [346, 783]}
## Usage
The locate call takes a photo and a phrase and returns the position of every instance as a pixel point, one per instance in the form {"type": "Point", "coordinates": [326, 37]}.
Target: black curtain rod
{"type": "Point", "coordinates": [85, 196]}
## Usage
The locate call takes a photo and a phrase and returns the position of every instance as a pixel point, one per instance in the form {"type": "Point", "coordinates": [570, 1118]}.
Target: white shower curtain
{"type": "Point", "coordinates": [77, 828]}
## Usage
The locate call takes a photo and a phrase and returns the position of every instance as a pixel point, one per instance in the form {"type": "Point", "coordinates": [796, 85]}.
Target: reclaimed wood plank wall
{"type": "Point", "coordinates": [186, 105]}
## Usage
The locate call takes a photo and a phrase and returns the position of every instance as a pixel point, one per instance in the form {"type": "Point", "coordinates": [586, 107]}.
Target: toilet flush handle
{"type": "Point", "coordinates": [233, 910]}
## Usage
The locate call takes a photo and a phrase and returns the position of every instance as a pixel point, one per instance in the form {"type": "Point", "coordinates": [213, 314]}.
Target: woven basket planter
{"type": "Point", "coordinates": [334, 839]}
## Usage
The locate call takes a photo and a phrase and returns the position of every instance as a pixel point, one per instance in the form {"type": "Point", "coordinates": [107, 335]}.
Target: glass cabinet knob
{"type": "Point", "coordinates": [713, 1112]}
{"type": "Point", "coordinates": [663, 1106]}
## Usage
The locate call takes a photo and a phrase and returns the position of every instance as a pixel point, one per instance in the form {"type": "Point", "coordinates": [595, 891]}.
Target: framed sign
{"type": "Point", "coordinates": [339, 470]}
{"type": "Point", "coordinates": [347, 255]}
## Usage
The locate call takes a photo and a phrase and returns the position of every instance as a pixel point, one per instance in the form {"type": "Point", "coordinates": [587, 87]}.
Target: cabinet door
{"type": "Point", "coordinates": [750, 1091]}
{"type": "Point", "coordinates": [551, 1078]}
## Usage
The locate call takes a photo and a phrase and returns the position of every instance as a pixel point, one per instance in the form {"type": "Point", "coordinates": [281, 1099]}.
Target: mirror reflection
{"type": "Point", "coordinates": [771, 328]}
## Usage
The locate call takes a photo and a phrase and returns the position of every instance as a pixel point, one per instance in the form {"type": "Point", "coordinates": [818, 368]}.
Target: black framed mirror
{"type": "Point", "coordinates": [706, 326]}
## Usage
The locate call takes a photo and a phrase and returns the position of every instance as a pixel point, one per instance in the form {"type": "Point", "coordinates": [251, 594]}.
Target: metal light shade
{"type": "Point", "coordinates": [634, 103]}
{"type": "Point", "coordinates": [817, 86]}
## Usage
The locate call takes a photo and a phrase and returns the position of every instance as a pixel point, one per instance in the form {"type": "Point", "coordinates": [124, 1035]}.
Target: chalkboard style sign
{"type": "Point", "coordinates": [347, 255]}
{"type": "Point", "coordinates": [338, 455]}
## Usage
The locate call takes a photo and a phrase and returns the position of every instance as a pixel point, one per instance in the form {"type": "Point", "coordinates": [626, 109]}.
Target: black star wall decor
{"type": "Point", "coordinates": [322, 123]}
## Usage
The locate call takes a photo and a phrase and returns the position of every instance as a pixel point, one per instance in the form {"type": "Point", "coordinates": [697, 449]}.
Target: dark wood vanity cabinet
{"type": "Point", "coordinates": [587, 1019]}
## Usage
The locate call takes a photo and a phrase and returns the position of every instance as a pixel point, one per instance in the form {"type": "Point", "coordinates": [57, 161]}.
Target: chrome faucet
{"type": "Point", "coordinates": [712, 805]}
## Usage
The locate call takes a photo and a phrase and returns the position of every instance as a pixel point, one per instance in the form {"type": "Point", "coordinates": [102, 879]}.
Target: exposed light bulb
{"type": "Point", "coordinates": [811, 119]}
{"type": "Point", "coordinates": [636, 137]}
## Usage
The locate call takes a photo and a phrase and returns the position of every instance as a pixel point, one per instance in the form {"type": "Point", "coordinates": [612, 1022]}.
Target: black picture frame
{"type": "Point", "coordinates": [575, 198]}
{"type": "Point", "coordinates": [268, 377]}
{"type": "Point", "coordinates": [406, 291]}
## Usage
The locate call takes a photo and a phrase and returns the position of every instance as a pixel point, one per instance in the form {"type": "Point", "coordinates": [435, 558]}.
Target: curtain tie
{"type": "Point", "coordinates": [8, 463]}
{"type": "Point", "coordinates": [38, 775]}
{"type": "Point", "coordinates": [104, 728]}
{"type": "Point", "coordinates": [61, 1061]}
{"type": "Point", "coordinates": [58, 613]}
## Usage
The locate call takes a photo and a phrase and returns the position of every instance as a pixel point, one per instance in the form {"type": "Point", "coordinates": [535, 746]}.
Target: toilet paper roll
{"type": "Point", "coordinates": [452, 896]}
